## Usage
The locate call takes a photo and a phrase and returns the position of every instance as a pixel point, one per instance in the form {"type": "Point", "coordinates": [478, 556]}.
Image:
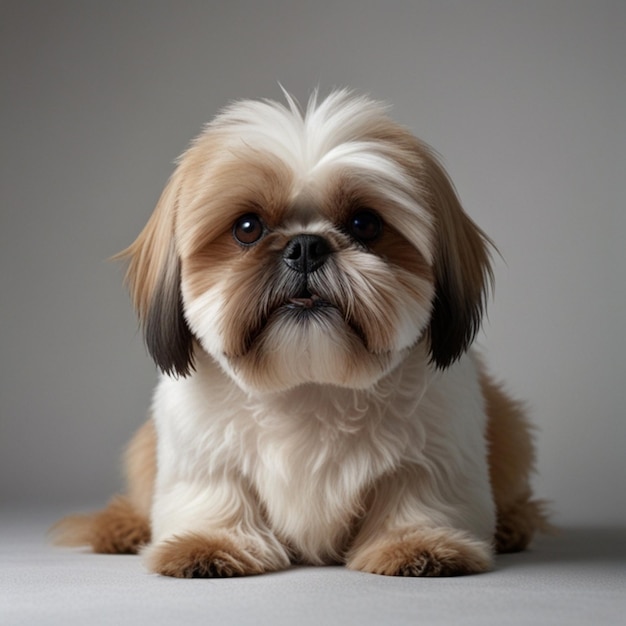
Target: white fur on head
{"type": "Point", "coordinates": [302, 173]}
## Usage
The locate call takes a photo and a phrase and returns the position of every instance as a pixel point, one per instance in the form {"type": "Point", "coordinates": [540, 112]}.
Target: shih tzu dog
{"type": "Point", "coordinates": [310, 287]}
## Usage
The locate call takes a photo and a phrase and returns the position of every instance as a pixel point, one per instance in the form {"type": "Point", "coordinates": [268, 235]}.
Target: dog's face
{"type": "Point", "coordinates": [307, 248]}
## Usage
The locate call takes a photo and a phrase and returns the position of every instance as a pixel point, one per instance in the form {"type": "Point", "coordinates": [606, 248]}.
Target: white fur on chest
{"type": "Point", "coordinates": [310, 456]}
{"type": "Point", "coordinates": [318, 455]}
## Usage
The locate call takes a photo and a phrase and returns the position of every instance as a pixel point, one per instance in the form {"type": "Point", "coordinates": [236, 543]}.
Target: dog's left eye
{"type": "Point", "coordinates": [365, 225]}
{"type": "Point", "coordinates": [248, 229]}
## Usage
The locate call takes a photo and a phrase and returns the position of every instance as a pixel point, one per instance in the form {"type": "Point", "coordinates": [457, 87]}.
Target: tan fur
{"type": "Point", "coordinates": [394, 247]}
{"type": "Point", "coordinates": [251, 275]}
{"type": "Point", "coordinates": [511, 463]}
{"type": "Point", "coordinates": [123, 526]}
{"type": "Point", "coordinates": [149, 256]}
{"type": "Point", "coordinates": [197, 556]}
{"type": "Point", "coordinates": [462, 247]}
{"type": "Point", "coordinates": [218, 185]}
{"type": "Point", "coordinates": [140, 461]}
{"type": "Point", "coordinates": [425, 552]}
{"type": "Point", "coordinates": [116, 529]}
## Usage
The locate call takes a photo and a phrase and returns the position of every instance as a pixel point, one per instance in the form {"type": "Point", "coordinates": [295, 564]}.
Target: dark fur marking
{"type": "Point", "coordinates": [167, 334]}
{"type": "Point", "coordinates": [454, 324]}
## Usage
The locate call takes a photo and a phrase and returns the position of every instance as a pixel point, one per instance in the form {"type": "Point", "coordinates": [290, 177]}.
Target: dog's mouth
{"type": "Point", "coordinates": [305, 307]}
{"type": "Point", "coordinates": [309, 304]}
{"type": "Point", "coordinates": [307, 300]}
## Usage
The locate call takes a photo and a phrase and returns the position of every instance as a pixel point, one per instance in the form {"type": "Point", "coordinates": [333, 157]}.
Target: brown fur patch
{"type": "Point", "coordinates": [117, 529]}
{"type": "Point", "coordinates": [256, 286]}
{"type": "Point", "coordinates": [395, 248]}
{"type": "Point", "coordinates": [511, 464]}
{"type": "Point", "coordinates": [425, 552]}
{"type": "Point", "coordinates": [198, 556]}
{"type": "Point", "coordinates": [150, 255]}
{"type": "Point", "coordinates": [223, 187]}
{"type": "Point", "coordinates": [517, 524]}
{"type": "Point", "coordinates": [141, 465]}
{"type": "Point", "coordinates": [123, 527]}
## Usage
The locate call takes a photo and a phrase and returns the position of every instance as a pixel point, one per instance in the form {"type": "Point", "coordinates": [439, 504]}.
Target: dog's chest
{"type": "Point", "coordinates": [314, 468]}
{"type": "Point", "coordinates": [310, 502]}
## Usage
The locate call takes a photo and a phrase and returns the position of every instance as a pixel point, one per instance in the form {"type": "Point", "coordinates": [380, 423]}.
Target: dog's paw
{"type": "Point", "coordinates": [196, 555]}
{"type": "Point", "coordinates": [425, 552]}
{"type": "Point", "coordinates": [518, 523]}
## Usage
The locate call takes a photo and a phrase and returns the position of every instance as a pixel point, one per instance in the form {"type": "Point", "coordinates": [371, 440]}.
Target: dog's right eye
{"type": "Point", "coordinates": [248, 229]}
{"type": "Point", "coordinates": [365, 226]}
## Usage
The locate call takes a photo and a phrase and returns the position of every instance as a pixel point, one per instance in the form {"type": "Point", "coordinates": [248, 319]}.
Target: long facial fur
{"type": "Point", "coordinates": [306, 172]}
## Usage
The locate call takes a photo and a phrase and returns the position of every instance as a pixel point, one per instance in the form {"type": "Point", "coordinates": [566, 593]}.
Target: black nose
{"type": "Point", "coordinates": [306, 253]}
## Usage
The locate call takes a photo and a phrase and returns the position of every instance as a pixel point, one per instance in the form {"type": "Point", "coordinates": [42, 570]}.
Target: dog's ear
{"type": "Point", "coordinates": [153, 278]}
{"type": "Point", "coordinates": [462, 270]}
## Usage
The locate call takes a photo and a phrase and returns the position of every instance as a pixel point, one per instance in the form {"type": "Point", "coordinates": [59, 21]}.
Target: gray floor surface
{"type": "Point", "coordinates": [575, 577]}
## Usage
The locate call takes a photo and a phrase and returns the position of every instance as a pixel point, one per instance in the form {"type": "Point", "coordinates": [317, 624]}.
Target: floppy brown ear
{"type": "Point", "coordinates": [153, 278]}
{"type": "Point", "coordinates": [462, 268]}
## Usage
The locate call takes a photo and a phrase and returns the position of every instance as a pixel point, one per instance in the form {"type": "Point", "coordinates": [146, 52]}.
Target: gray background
{"type": "Point", "coordinates": [524, 100]}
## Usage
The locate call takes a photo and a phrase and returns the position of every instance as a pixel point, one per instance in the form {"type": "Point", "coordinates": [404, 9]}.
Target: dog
{"type": "Point", "coordinates": [310, 288]}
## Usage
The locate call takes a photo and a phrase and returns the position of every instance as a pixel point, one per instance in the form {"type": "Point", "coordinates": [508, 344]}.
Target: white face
{"type": "Point", "coordinates": [315, 262]}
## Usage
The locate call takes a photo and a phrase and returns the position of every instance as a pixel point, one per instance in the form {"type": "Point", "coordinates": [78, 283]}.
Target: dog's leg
{"type": "Point", "coordinates": [410, 530]}
{"type": "Point", "coordinates": [434, 515]}
{"type": "Point", "coordinates": [123, 526]}
{"type": "Point", "coordinates": [511, 462]}
{"type": "Point", "coordinates": [211, 527]}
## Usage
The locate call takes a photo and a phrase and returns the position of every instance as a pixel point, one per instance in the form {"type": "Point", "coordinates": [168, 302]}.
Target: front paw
{"type": "Point", "coordinates": [424, 552]}
{"type": "Point", "coordinates": [196, 555]}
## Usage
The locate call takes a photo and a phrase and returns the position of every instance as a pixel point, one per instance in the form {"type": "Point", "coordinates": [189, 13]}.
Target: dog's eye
{"type": "Point", "coordinates": [365, 225]}
{"type": "Point", "coordinates": [248, 229]}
